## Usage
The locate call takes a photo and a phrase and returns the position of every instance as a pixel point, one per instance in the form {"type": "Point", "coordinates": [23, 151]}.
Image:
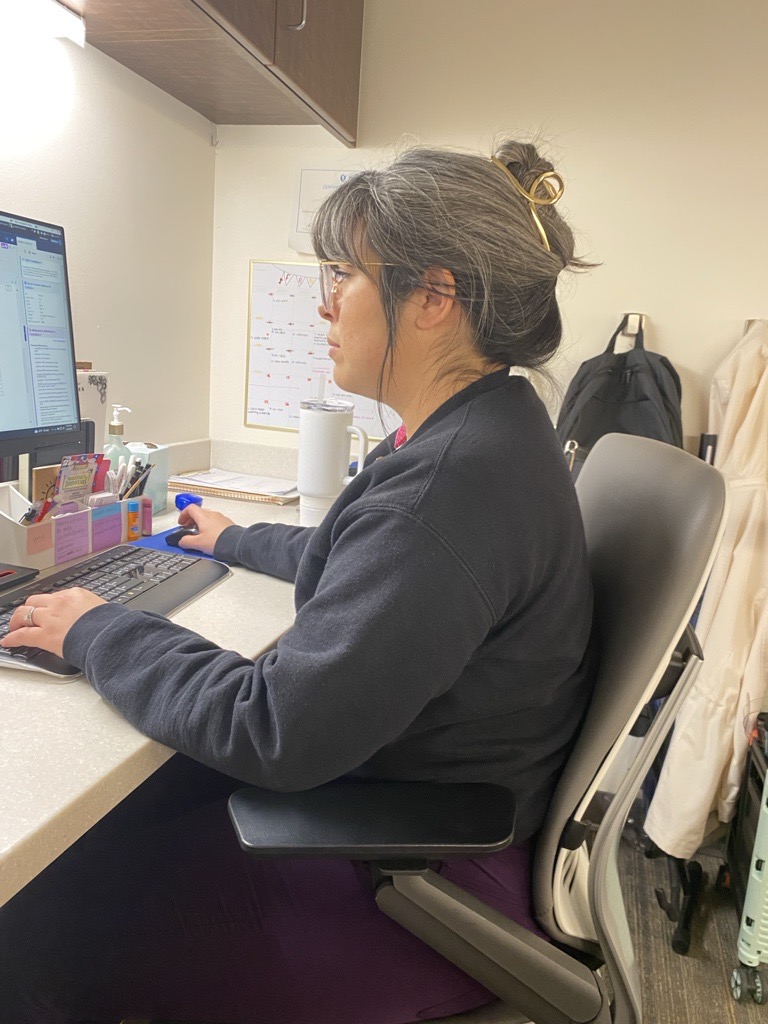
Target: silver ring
{"type": "Point", "coordinates": [29, 612]}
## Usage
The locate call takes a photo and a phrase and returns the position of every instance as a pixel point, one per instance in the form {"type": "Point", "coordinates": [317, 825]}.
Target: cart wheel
{"type": "Point", "coordinates": [758, 989]}
{"type": "Point", "coordinates": [739, 984]}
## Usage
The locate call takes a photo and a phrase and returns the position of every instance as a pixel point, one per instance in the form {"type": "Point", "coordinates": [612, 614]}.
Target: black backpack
{"type": "Point", "coordinates": [634, 392]}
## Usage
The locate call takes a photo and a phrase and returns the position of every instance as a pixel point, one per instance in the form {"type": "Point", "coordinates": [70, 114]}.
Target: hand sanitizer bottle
{"type": "Point", "coordinates": [115, 446]}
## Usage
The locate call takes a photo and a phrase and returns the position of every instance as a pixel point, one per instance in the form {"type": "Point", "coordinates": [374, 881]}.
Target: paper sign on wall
{"type": "Point", "coordinates": [288, 351]}
{"type": "Point", "coordinates": [314, 187]}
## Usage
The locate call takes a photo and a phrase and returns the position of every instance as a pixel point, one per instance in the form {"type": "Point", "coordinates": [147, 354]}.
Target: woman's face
{"type": "Point", "coordinates": [357, 337]}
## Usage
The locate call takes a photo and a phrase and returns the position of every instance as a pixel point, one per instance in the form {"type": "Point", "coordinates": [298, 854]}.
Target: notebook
{"type": "Point", "coordinates": [222, 483]}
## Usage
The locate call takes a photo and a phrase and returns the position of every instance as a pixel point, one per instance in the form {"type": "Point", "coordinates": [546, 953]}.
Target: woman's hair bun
{"type": "Point", "coordinates": [523, 160]}
{"type": "Point", "coordinates": [526, 164]}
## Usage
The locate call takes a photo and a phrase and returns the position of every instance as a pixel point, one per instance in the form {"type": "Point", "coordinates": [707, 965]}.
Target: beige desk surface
{"type": "Point", "coordinates": [67, 757]}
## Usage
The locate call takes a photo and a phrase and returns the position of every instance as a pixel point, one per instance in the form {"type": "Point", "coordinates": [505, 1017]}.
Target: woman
{"type": "Point", "coordinates": [442, 633]}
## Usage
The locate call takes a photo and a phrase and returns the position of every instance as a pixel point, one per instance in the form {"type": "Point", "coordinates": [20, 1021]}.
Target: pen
{"type": "Point", "coordinates": [134, 472]}
{"type": "Point", "coordinates": [31, 514]}
{"type": "Point", "coordinates": [136, 482]}
{"type": "Point", "coordinates": [138, 472]}
{"type": "Point", "coordinates": [145, 477]}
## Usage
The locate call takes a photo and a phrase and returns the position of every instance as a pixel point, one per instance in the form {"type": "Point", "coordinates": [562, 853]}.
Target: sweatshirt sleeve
{"type": "Point", "coordinates": [271, 548]}
{"type": "Point", "coordinates": [366, 653]}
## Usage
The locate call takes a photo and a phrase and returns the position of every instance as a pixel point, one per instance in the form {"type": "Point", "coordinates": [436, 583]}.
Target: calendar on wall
{"type": "Point", "coordinates": [288, 353]}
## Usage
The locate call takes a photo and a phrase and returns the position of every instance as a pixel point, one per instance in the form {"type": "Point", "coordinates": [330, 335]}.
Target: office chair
{"type": "Point", "coordinates": [653, 517]}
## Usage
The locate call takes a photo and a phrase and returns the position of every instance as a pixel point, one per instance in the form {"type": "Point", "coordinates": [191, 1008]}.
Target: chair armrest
{"type": "Point", "coordinates": [375, 820]}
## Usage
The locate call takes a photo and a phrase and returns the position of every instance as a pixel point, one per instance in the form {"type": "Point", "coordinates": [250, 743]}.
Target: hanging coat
{"type": "Point", "coordinates": [702, 771]}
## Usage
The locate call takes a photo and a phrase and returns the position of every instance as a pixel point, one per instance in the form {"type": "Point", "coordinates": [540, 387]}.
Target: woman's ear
{"type": "Point", "coordinates": [435, 298]}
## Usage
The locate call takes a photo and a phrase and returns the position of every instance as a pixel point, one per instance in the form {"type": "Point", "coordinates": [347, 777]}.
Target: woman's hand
{"type": "Point", "coordinates": [45, 619]}
{"type": "Point", "coordinates": [210, 524]}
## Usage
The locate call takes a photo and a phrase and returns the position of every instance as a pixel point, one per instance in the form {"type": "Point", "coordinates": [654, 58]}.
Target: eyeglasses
{"type": "Point", "coordinates": [332, 276]}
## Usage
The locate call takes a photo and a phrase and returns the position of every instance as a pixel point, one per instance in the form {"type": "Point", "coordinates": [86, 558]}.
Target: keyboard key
{"type": "Point", "coordinates": [158, 581]}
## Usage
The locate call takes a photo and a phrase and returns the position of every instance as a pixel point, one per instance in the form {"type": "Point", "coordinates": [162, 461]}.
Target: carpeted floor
{"type": "Point", "coordinates": [692, 989]}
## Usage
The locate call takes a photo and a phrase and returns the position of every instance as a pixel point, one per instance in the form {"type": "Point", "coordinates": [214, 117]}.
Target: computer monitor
{"type": "Point", "coordinates": [39, 407]}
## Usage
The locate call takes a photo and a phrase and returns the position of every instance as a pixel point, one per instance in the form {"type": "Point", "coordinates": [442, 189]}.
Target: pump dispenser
{"type": "Point", "coordinates": [115, 446]}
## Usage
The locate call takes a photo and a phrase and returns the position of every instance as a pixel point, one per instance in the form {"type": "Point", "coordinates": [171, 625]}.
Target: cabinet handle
{"type": "Point", "coordinates": [303, 22]}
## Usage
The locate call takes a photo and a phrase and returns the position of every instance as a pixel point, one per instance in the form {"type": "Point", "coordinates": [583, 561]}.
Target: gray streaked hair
{"type": "Point", "coordinates": [442, 208]}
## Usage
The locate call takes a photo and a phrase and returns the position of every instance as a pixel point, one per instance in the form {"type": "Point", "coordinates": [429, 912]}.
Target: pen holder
{"type": "Point", "coordinates": [59, 538]}
{"type": "Point", "coordinates": [157, 481]}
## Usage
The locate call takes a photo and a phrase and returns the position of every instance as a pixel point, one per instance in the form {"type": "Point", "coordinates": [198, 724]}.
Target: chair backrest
{"type": "Point", "coordinates": [653, 517]}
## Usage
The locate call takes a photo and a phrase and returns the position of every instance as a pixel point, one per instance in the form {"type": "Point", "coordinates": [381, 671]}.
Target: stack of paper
{"type": "Point", "coordinates": [224, 484]}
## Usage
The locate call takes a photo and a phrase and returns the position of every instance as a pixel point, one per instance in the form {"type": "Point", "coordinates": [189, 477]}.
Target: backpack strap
{"type": "Point", "coordinates": [639, 337]}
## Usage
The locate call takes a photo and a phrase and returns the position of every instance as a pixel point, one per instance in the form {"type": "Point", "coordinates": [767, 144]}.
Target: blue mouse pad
{"type": "Point", "coordinates": [157, 543]}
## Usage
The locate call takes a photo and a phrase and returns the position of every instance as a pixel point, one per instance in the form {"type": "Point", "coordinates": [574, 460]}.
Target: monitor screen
{"type": "Point", "coordinates": [38, 377]}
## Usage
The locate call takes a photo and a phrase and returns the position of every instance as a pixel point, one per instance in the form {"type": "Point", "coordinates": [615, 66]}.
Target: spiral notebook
{"type": "Point", "coordinates": [220, 483]}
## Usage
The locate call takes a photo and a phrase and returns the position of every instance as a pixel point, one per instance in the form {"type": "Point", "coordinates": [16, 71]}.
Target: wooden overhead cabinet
{"type": "Point", "coordinates": [241, 61]}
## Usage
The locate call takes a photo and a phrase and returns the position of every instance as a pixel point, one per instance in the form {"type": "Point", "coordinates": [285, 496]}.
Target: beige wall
{"type": "Point", "coordinates": [655, 113]}
{"type": "Point", "coordinates": [129, 173]}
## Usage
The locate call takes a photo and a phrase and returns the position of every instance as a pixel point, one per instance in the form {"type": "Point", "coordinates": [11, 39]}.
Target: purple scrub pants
{"type": "Point", "coordinates": [156, 913]}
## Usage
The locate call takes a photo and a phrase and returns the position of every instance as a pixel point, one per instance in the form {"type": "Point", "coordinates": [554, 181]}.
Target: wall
{"type": "Point", "coordinates": [653, 112]}
{"type": "Point", "coordinates": [129, 173]}
{"type": "Point", "coordinates": [257, 172]}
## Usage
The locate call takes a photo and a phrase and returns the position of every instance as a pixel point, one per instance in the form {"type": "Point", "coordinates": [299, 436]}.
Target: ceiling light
{"type": "Point", "coordinates": [42, 19]}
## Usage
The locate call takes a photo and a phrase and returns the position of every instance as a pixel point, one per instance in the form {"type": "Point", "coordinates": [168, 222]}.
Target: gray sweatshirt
{"type": "Point", "coordinates": [443, 616]}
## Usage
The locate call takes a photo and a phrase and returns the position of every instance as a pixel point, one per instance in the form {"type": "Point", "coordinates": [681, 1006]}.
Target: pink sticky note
{"type": "Point", "coordinates": [71, 536]}
{"type": "Point", "coordinates": [39, 538]}
{"type": "Point", "coordinates": [107, 526]}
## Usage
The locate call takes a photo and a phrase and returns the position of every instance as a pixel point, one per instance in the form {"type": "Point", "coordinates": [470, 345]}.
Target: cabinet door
{"type": "Point", "coordinates": [251, 22]}
{"type": "Point", "coordinates": [321, 60]}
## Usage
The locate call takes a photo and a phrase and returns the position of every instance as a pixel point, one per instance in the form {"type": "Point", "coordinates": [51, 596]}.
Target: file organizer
{"type": "Point", "coordinates": [59, 538]}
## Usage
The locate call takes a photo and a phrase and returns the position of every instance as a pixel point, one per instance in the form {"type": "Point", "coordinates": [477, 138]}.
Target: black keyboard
{"type": "Point", "coordinates": [152, 581]}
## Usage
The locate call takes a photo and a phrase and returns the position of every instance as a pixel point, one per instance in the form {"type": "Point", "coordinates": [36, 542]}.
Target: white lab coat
{"type": "Point", "coordinates": [702, 771]}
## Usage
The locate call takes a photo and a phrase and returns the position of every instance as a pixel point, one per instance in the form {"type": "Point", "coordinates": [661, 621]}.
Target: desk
{"type": "Point", "coordinates": [67, 757]}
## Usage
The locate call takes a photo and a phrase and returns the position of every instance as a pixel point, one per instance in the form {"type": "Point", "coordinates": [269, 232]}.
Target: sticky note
{"type": "Point", "coordinates": [39, 538]}
{"type": "Point", "coordinates": [71, 535]}
{"type": "Point", "coordinates": [106, 526]}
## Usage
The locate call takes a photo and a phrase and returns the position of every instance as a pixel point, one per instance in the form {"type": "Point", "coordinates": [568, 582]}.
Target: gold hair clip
{"type": "Point", "coordinates": [551, 181]}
